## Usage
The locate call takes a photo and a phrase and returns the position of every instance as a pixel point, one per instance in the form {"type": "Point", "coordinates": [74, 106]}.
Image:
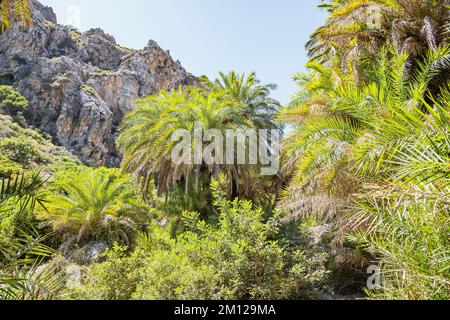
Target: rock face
{"type": "Point", "coordinates": [80, 85]}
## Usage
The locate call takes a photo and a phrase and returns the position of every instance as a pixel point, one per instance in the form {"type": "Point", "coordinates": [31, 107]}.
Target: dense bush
{"type": "Point", "coordinates": [237, 258]}
{"type": "Point", "coordinates": [8, 167]}
{"type": "Point", "coordinates": [22, 252]}
{"type": "Point", "coordinates": [11, 101]}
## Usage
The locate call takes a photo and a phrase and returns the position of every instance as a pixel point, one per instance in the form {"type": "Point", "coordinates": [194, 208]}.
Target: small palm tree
{"type": "Point", "coordinates": [92, 205]}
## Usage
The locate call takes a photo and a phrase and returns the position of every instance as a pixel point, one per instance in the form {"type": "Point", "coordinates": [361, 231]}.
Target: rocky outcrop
{"type": "Point", "coordinates": [80, 85]}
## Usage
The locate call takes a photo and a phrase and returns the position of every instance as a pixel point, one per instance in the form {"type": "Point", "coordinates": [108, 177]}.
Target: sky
{"type": "Point", "coordinates": [208, 36]}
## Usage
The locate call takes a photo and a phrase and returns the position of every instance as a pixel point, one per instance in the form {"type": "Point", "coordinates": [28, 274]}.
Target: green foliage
{"type": "Point", "coordinates": [114, 279]}
{"type": "Point", "coordinates": [24, 274]}
{"type": "Point", "coordinates": [7, 167]}
{"type": "Point", "coordinates": [383, 143]}
{"type": "Point", "coordinates": [237, 258]}
{"type": "Point", "coordinates": [231, 102]}
{"type": "Point", "coordinates": [21, 152]}
{"type": "Point", "coordinates": [411, 242]}
{"type": "Point", "coordinates": [93, 204]}
{"type": "Point", "coordinates": [252, 97]}
{"type": "Point", "coordinates": [369, 155]}
{"type": "Point", "coordinates": [101, 73]}
{"type": "Point", "coordinates": [14, 11]}
{"type": "Point", "coordinates": [11, 101]}
{"type": "Point", "coordinates": [88, 89]}
{"type": "Point", "coordinates": [22, 252]}
{"type": "Point", "coordinates": [19, 195]}
{"type": "Point", "coordinates": [407, 208]}
{"type": "Point", "coordinates": [156, 118]}
{"type": "Point", "coordinates": [25, 148]}
{"type": "Point", "coordinates": [338, 124]}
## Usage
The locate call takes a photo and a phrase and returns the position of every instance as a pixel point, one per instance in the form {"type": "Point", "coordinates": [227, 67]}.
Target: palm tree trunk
{"type": "Point", "coordinates": [234, 184]}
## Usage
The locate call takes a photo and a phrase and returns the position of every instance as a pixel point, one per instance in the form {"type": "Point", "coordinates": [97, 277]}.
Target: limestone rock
{"type": "Point", "coordinates": [80, 85]}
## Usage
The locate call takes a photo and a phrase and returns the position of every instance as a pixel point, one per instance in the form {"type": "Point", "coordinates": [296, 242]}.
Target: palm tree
{"type": "Point", "coordinates": [259, 108]}
{"type": "Point", "coordinates": [346, 136]}
{"type": "Point", "coordinates": [413, 27]}
{"type": "Point", "coordinates": [14, 10]}
{"type": "Point", "coordinates": [405, 208]}
{"type": "Point", "coordinates": [252, 97]}
{"type": "Point", "coordinates": [386, 140]}
{"type": "Point", "coordinates": [23, 274]}
{"type": "Point", "coordinates": [316, 153]}
{"type": "Point", "coordinates": [92, 205]}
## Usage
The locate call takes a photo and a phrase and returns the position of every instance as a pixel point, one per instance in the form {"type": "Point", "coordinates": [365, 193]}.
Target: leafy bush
{"type": "Point", "coordinates": [114, 279]}
{"type": "Point", "coordinates": [20, 152]}
{"type": "Point", "coordinates": [237, 258]}
{"type": "Point", "coordinates": [12, 101]}
{"type": "Point", "coordinates": [19, 195]}
{"type": "Point", "coordinates": [24, 148]}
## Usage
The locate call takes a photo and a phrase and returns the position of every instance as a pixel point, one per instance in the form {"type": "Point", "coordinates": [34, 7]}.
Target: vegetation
{"type": "Point", "coordinates": [23, 149]}
{"type": "Point", "coordinates": [370, 149]}
{"type": "Point", "coordinates": [92, 204]}
{"type": "Point", "coordinates": [365, 180]}
{"type": "Point", "coordinates": [232, 102]}
{"type": "Point", "coordinates": [21, 247]}
{"type": "Point", "coordinates": [235, 258]}
{"type": "Point", "coordinates": [11, 101]}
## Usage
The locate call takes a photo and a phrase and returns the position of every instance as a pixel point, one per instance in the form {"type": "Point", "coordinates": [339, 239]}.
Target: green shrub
{"type": "Point", "coordinates": [8, 167]}
{"type": "Point", "coordinates": [20, 151]}
{"type": "Point", "coordinates": [88, 89]}
{"type": "Point", "coordinates": [12, 101]}
{"type": "Point", "coordinates": [236, 258]}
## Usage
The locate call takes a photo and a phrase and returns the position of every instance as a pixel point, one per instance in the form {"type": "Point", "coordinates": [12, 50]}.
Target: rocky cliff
{"type": "Point", "coordinates": [80, 85]}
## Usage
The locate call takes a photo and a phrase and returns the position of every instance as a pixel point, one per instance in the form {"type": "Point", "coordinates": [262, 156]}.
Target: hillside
{"type": "Point", "coordinates": [80, 85]}
{"type": "Point", "coordinates": [23, 148]}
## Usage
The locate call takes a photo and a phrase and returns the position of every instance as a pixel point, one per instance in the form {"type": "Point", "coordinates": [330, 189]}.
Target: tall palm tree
{"type": "Point", "coordinates": [255, 103]}
{"type": "Point", "coordinates": [413, 26]}
{"type": "Point", "coordinates": [332, 149]}
{"type": "Point", "coordinates": [252, 97]}
{"type": "Point", "coordinates": [405, 208]}
{"type": "Point", "coordinates": [14, 10]}
{"type": "Point", "coordinates": [22, 271]}
{"type": "Point", "coordinates": [387, 140]}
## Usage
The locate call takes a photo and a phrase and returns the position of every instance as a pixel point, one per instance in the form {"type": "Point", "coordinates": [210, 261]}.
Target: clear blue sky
{"type": "Point", "coordinates": [207, 36]}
